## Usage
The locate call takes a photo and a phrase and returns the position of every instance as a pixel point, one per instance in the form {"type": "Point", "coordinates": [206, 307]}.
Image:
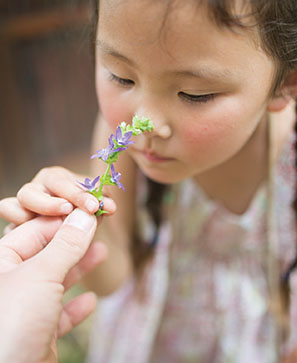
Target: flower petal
{"type": "Point", "coordinates": [119, 134]}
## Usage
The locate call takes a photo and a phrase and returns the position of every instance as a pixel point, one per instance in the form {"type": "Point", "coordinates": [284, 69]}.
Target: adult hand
{"type": "Point", "coordinates": [39, 261]}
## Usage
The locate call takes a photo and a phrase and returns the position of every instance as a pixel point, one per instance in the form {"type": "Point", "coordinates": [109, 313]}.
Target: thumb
{"type": "Point", "coordinates": [67, 247]}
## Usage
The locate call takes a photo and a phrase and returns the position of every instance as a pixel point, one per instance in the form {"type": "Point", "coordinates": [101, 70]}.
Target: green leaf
{"type": "Point", "coordinates": [142, 124]}
{"type": "Point", "coordinates": [97, 194]}
{"type": "Point", "coordinates": [107, 181]}
{"type": "Point", "coordinates": [113, 157]}
{"type": "Point", "coordinates": [100, 212]}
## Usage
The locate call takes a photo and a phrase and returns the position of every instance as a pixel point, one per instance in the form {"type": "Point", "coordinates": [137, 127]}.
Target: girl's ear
{"type": "Point", "coordinates": [287, 92]}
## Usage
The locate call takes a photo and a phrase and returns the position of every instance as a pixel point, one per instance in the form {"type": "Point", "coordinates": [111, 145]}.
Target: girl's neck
{"type": "Point", "coordinates": [235, 182]}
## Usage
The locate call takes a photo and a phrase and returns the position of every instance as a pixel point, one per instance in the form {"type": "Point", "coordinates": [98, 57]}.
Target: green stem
{"type": "Point", "coordinates": [103, 179]}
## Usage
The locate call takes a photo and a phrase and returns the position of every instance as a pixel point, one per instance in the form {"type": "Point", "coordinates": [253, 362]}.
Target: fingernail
{"type": "Point", "coordinates": [91, 205]}
{"type": "Point", "coordinates": [80, 219]}
{"type": "Point", "coordinates": [66, 208]}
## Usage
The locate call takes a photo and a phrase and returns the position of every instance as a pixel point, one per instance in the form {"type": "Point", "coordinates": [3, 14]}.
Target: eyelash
{"type": "Point", "coordinates": [121, 81]}
{"type": "Point", "coordinates": [187, 97]}
{"type": "Point", "coordinates": [197, 98]}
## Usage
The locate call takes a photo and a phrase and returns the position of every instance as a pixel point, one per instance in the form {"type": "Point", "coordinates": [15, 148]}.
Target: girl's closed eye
{"type": "Point", "coordinates": [196, 98]}
{"type": "Point", "coordinates": [121, 81]}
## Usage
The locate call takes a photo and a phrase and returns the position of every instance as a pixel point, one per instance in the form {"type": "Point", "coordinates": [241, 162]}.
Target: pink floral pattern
{"type": "Point", "coordinates": [207, 297]}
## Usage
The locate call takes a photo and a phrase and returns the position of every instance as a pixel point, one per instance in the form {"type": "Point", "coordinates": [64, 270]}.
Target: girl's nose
{"type": "Point", "coordinates": [162, 128]}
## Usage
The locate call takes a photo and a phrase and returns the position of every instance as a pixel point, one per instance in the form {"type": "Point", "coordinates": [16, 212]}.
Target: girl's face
{"type": "Point", "coordinates": [204, 87]}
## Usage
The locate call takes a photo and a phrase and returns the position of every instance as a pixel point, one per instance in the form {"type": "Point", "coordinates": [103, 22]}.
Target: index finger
{"type": "Point", "coordinates": [41, 195]}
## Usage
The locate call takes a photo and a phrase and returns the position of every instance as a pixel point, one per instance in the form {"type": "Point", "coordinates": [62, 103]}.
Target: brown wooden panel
{"type": "Point", "coordinates": [47, 95]}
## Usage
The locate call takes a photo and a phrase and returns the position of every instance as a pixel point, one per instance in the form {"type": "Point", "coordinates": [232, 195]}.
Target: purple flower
{"type": "Point", "coordinates": [123, 139]}
{"type": "Point", "coordinates": [105, 153]}
{"type": "Point", "coordinates": [90, 184]}
{"type": "Point", "coordinates": [115, 177]}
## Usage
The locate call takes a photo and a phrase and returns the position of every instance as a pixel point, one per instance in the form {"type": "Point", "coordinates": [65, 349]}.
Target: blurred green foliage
{"type": "Point", "coordinates": [72, 347]}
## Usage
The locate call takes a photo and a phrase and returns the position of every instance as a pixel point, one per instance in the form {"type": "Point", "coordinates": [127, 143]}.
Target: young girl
{"type": "Point", "coordinates": [202, 246]}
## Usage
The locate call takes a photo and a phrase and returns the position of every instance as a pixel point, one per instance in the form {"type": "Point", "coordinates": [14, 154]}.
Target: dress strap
{"type": "Point", "coordinates": [273, 268]}
{"type": "Point", "coordinates": [276, 304]}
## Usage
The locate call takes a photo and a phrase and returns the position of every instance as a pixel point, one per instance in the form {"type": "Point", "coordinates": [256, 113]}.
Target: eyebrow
{"type": "Point", "coordinates": [201, 73]}
{"type": "Point", "coordinates": [207, 73]}
{"type": "Point", "coordinates": [107, 49]}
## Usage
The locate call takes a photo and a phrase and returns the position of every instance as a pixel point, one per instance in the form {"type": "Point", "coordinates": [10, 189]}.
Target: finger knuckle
{"type": "Point", "coordinates": [42, 173]}
{"type": "Point", "coordinates": [21, 194]}
{"type": "Point", "coordinates": [80, 198]}
{"type": "Point", "coordinates": [71, 240]}
{"type": "Point", "coordinates": [49, 171]}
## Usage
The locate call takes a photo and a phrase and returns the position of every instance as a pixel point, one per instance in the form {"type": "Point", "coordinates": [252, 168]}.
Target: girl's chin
{"type": "Point", "coordinates": [160, 177]}
{"type": "Point", "coordinates": [167, 172]}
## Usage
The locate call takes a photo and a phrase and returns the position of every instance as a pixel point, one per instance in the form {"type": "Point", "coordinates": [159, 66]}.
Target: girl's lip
{"type": "Point", "coordinates": [153, 157]}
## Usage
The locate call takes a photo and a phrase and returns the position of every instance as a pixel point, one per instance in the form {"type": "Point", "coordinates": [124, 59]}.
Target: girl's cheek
{"type": "Point", "coordinates": [110, 113]}
{"type": "Point", "coordinates": [111, 108]}
{"type": "Point", "coordinates": [200, 137]}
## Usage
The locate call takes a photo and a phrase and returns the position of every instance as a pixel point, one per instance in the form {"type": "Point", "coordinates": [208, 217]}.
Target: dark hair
{"type": "Point", "coordinates": [276, 21]}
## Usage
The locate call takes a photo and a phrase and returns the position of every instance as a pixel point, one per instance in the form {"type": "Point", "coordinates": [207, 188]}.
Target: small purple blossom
{"type": "Point", "coordinates": [105, 153]}
{"type": "Point", "coordinates": [90, 184]}
{"type": "Point", "coordinates": [115, 177]}
{"type": "Point", "coordinates": [123, 139]}
{"type": "Point", "coordinates": [116, 143]}
{"type": "Point", "coordinates": [102, 153]}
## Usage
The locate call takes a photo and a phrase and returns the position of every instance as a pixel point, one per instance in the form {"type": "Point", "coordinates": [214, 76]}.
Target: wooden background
{"type": "Point", "coordinates": [47, 103]}
{"type": "Point", "coordinates": [47, 95]}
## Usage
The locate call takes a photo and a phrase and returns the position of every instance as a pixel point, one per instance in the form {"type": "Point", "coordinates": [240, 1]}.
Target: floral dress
{"type": "Point", "coordinates": [206, 295]}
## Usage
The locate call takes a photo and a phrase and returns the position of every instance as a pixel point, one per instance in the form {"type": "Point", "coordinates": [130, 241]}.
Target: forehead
{"type": "Point", "coordinates": [173, 28]}
{"type": "Point", "coordinates": [164, 12]}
